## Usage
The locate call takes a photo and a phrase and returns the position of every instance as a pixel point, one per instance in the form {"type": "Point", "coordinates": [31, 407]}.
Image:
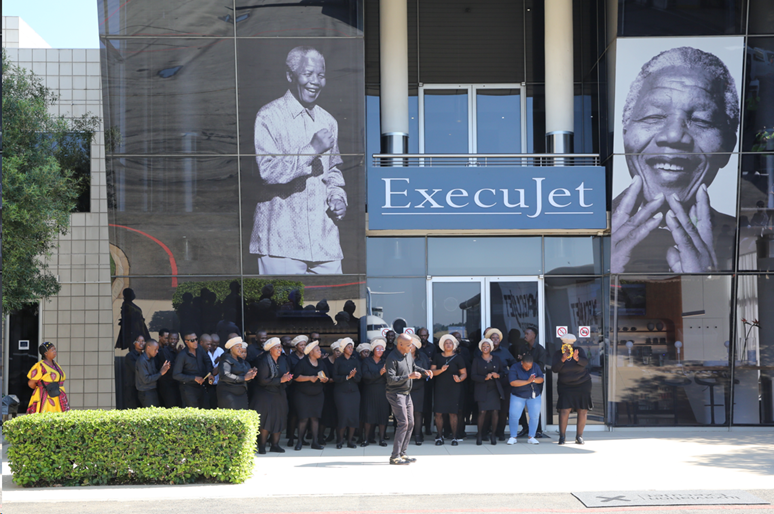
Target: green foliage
{"type": "Point", "coordinates": [141, 446]}
{"type": "Point", "coordinates": [39, 188]}
{"type": "Point", "coordinates": [251, 293]}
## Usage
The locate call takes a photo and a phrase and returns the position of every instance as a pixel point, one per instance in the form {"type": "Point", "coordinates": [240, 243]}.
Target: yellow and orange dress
{"type": "Point", "coordinates": [41, 401]}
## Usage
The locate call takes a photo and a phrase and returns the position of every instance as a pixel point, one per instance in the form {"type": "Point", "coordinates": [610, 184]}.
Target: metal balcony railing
{"type": "Point", "coordinates": [474, 160]}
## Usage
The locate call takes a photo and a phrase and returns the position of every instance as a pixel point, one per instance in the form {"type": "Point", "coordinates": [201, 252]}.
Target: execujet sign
{"type": "Point", "coordinates": [486, 198]}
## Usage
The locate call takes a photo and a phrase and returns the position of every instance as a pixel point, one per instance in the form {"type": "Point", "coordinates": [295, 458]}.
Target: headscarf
{"type": "Point", "coordinates": [311, 346]}
{"type": "Point", "coordinates": [299, 339]}
{"type": "Point", "coordinates": [363, 347]}
{"type": "Point", "coordinates": [488, 334]}
{"type": "Point", "coordinates": [378, 341]}
{"type": "Point", "coordinates": [447, 337]}
{"type": "Point", "coordinates": [335, 345]}
{"type": "Point", "coordinates": [343, 343]}
{"type": "Point", "coordinates": [569, 338]}
{"type": "Point", "coordinates": [235, 341]}
{"type": "Point", "coordinates": [485, 340]}
{"type": "Point", "coordinates": [416, 341]}
{"type": "Point", "coordinates": [271, 343]}
{"type": "Point", "coordinates": [44, 348]}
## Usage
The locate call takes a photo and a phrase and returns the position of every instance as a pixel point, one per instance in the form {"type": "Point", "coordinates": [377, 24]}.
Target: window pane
{"type": "Point", "coordinates": [457, 308]}
{"type": "Point", "coordinates": [498, 121]}
{"type": "Point", "coordinates": [761, 17]}
{"type": "Point", "coordinates": [397, 303]}
{"type": "Point", "coordinates": [670, 361]}
{"type": "Point", "coordinates": [757, 131]}
{"type": "Point", "coordinates": [446, 121]}
{"type": "Point", "coordinates": [686, 18]}
{"type": "Point", "coordinates": [391, 256]}
{"type": "Point", "coordinates": [756, 213]}
{"type": "Point", "coordinates": [573, 256]}
{"type": "Point", "coordinates": [754, 352]}
{"type": "Point", "coordinates": [484, 256]}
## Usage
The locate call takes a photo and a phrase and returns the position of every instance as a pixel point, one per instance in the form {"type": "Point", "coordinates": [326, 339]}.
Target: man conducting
{"type": "Point", "coordinates": [301, 197]}
{"type": "Point", "coordinates": [401, 370]}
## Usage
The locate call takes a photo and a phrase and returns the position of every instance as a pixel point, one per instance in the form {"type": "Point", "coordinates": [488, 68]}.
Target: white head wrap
{"type": "Point", "coordinates": [378, 341]}
{"type": "Point", "coordinates": [343, 343]}
{"type": "Point", "coordinates": [363, 347]}
{"type": "Point", "coordinates": [336, 345]}
{"type": "Point", "coordinates": [271, 343]}
{"type": "Point", "coordinates": [569, 338]}
{"type": "Point", "coordinates": [447, 337]}
{"type": "Point", "coordinates": [488, 334]}
{"type": "Point", "coordinates": [235, 341]}
{"type": "Point", "coordinates": [311, 346]}
{"type": "Point", "coordinates": [486, 340]}
{"type": "Point", "coordinates": [299, 339]}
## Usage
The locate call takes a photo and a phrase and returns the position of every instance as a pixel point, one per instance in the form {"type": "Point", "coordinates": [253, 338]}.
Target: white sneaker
{"type": "Point", "coordinates": [513, 440]}
{"type": "Point", "coordinates": [532, 440]}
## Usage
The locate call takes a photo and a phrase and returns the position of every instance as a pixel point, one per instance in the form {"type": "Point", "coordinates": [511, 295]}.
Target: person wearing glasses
{"type": "Point", "coordinates": [192, 369]}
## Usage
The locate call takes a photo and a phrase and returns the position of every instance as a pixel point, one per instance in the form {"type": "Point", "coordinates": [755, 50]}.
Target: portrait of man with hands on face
{"type": "Point", "coordinates": [301, 197]}
{"type": "Point", "coordinates": [679, 125]}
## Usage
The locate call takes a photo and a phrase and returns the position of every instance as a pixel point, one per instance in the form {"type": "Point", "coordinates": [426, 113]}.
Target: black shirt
{"type": "Point", "coordinates": [304, 368]}
{"type": "Point", "coordinates": [270, 373]}
{"type": "Point", "coordinates": [539, 354]}
{"type": "Point", "coordinates": [341, 369]}
{"type": "Point", "coordinates": [146, 375]}
{"type": "Point", "coordinates": [570, 372]}
{"type": "Point", "coordinates": [188, 367]}
{"type": "Point", "coordinates": [130, 365]}
{"type": "Point", "coordinates": [372, 371]}
{"type": "Point", "coordinates": [232, 373]}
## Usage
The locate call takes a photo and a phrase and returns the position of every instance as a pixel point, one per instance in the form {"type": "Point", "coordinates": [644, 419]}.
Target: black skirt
{"type": "Point", "coordinates": [487, 395]}
{"type": "Point", "coordinates": [308, 406]}
{"type": "Point", "coordinates": [231, 397]}
{"type": "Point", "coordinates": [418, 399]}
{"type": "Point", "coordinates": [273, 409]}
{"type": "Point", "coordinates": [577, 397]}
{"type": "Point", "coordinates": [347, 406]}
{"type": "Point", "coordinates": [376, 408]}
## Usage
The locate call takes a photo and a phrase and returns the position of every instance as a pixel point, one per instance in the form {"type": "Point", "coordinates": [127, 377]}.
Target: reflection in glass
{"type": "Point", "coordinates": [514, 308]}
{"type": "Point", "coordinates": [167, 18]}
{"type": "Point", "coordinates": [170, 95]}
{"type": "Point", "coordinates": [446, 121]}
{"type": "Point", "coordinates": [756, 213]}
{"type": "Point", "coordinates": [576, 302]}
{"type": "Point", "coordinates": [754, 352]}
{"type": "Point", "coordinates": [670, 360]}
{"type": "Point", "coordinates": [761, 18]}
{"type": "Point", "coordinates": [396, 256]}
{"type": "Point", "coordinates": [758, 128]}
{"type": "Point", "coordinates": [682, 18]}
{"type": "Point", "coordinates": [573, 255]}
{"type": "Point", "coordinates": [397, 303]}
{"type": "Point", "coordinates": [457, 308]}
{"type": "Point", "coordinates": [498, 120]}
{"type": "Point", "coordinates": [373, 126]}
{"type": "Point", "coordinates": [484, 256]}
{"type": "Point", "coordinates": [291, 18]}
{"type": "Point", "coordinates": [174, 215]}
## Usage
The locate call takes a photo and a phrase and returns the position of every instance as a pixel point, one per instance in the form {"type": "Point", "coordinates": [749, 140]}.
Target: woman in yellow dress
{"type": "Point", "coordinates": [46, 378]}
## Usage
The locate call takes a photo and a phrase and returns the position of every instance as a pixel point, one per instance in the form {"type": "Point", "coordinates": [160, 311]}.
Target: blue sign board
{"type": "Point", "coordinates": [486, 198]}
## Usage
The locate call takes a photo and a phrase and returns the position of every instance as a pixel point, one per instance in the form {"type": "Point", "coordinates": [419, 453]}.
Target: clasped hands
{"type": "Point", "coordinates": [694, 250]}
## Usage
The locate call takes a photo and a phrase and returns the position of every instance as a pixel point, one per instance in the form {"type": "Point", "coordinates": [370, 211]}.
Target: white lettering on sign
{"type": "Point", "coordinates": [445, 201]}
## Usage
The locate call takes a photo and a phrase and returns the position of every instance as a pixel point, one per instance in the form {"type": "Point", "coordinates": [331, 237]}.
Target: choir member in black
{"type": "Point", "coordinates": [330, 417]}
{"type": "Point", "coordinates": [449, 372]}
{"type": "Point", "coordinates": [363, 350]}
{"type": "Point", "coordinates": [254, 354]}
{"type": "Point", "coordinates": [131, 400]}
{"type": "Point", "coordinates": [192, 367]}
{"type": "Point", "coordinates": [270, 400]}
{"type": "Point", "coordinates": [297, 345]}
{"type": "Point", "coordinates": [507, 359]}
{"type": "Point", "coordinates": [488, 390]}
{"type": "Point", "coordinates": [466, 398]}
{"type": "Point", "coordinates": [573, 386]}
{"type": "Point", "coordinates": [418, 388]}
{"type": "Point", "coordinates": [389, 337]}
{"type": "Point", "coordinates": [310, 378]}
{"type": "Point", "coordinates": [234, 374]}
{"type": "Point", "coordinates": [347, 375]}
{"type": "Point", "coordinates": [428, 349]}
{"type": "Point", "coordinates": [168, 387]}
{"type": "Point", "coordinates": [147, 375]}
{"type": "Point", "coordinates": [530, 346]}
{"type": "Point", "coordinates": [377, 408]}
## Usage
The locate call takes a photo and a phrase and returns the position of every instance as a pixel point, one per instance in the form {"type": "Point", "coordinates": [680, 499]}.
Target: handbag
{"type": "Point", "coordinates": [52, 388]}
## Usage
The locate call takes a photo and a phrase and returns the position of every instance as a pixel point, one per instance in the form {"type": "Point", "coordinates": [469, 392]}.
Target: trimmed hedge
{"type": "Point", "coordinates": [251, 293]}
{"type": "Point", "coordinates": [140, 446]}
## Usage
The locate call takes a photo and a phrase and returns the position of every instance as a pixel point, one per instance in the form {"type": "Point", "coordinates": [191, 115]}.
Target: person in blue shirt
{"type": "Point", "coordinates": [526, 380]}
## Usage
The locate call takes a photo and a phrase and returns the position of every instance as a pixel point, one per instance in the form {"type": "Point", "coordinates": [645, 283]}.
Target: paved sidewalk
{"type": "Point", "coordinates": [609, 461]}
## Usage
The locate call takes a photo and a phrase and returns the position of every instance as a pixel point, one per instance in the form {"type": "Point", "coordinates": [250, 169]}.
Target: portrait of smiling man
{"type": "Point", "coordinates": [679, 128]}
{"type": "Point", "coordinates": [301, 197]}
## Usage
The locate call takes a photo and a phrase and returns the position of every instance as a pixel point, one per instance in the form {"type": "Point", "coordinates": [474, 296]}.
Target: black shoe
{"type": "Point", "coordinates": [493, 440]}
{"type": "Point", "coordinates": [501, 437]}
{"type": "Point", "coordinates": [418, 441]}
{"type": "Point", "coordinates": [351, 445]}
{"type": "Point", "coordinates": [579, 440]}
{"type": "Point", "coordinates": [541, 435]}
{"type": "Point", "coordinates": [299, 445]}
{"type": "Point", "coordinates": [305, 443]}
{"type": "Point", "coordinates": [339, 446]}
{"type": "Point", "coordinates": [407, 458]}
{"type": "Point", "coordinates": [455, 443]}
{"type": "Point", "coordinates": [320, 442]}
{"type": "Point", "coordinates": [275, 448]}
{"type": "Point", "coordinates": [291, 441]}
{"type": "Point", "coordinates": [364, 444]}
{"type": "Point", "coordinates": [421, 437]}
{"type": "Point", "coordinates": [382, 443]}
{"type": "Point", "coordinates": [479, 440]}
{"type": "Point", "coordinates": [399, 462]}
{"type": "Point", "coordinates": [561, 439]}
{"type": "Point", "coordinates": [439, 441]}
{"type": "Point", "coordinates": [317, 446]}
{"type": "Point", "coordinates": [523, 432]}
{"type": "Point", "coordinates": [262, 449]}
{"type": "Point", "coordinates": [372, 441]}
{"type": "Point", "coordinates": [386, 437]}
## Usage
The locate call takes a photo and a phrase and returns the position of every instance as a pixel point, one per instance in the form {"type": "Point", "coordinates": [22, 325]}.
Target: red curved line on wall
{"type": "Point", "coordinates": [172, 262]}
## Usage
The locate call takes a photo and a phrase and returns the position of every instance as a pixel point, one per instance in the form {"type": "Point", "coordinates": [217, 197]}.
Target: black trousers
{"type": "Point", "coordinates": [194, 395]}
{"type": "Point", "coordinates": [149, 398]}
{"type": "Point", "coordinates": [169, 393]}
{"type": "Point", "coordinates": [130, 397]}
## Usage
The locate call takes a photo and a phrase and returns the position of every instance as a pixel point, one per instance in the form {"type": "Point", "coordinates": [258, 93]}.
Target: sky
{"type": "Point", "coordinates": [62, 23]}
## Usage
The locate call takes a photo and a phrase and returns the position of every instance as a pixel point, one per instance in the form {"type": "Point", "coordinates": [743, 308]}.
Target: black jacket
{"type": "Point", "coordinates": [146, 374]}
{"type": "Point", "coordinates": [188, 367]}
{"type": "Point", "coordinates": [232, 374]}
